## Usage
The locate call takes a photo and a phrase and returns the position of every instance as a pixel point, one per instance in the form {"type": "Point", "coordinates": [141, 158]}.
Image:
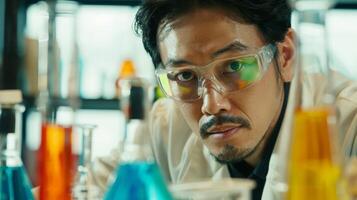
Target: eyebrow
{"type": "Point", "coordinates": [176, 63]}
{"type": "Point", "coordinates": [235, 46]}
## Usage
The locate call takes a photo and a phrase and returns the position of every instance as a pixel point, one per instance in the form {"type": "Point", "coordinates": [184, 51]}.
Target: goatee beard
{"type": "Point", "coordinates": [231, 154]}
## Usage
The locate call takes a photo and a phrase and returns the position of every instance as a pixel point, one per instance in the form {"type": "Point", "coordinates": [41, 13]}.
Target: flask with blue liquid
{"type": "Point", "coordinates": [14, 182]}
{"type": "Point", "coordinates": [138, 177]}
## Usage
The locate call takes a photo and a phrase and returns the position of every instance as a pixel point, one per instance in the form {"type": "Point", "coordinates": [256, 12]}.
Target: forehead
{"type": "Point", "coordinates": [196, 35]}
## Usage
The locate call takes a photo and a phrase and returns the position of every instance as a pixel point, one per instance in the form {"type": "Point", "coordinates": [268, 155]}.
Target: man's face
{"type": "Point", "coordinates": [232, 125]}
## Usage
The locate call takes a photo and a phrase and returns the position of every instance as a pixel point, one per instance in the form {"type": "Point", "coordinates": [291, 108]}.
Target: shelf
{"type": "Point", "coordinates": [91, 104]}
{"type": "Point", "coordinates": [110, 2]}
{"type": "Point", "coordinates": [346, 5]}
{"type": "Point", "coordinates": [98, 2]}
{"type": "Point", "coordinates": [342, 4]}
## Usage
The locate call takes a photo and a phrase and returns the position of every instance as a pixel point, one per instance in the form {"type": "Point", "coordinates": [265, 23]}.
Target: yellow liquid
{"type": "Point", "coordinates": [313, 171]}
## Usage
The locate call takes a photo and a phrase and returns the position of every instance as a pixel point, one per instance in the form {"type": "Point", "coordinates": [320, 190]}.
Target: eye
{"type": "Point", "coordinates": [234, 66]}
{"type": "Point", "coordinates": [185, 76]}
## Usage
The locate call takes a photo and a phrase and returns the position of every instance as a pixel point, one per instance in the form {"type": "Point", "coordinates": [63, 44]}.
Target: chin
{"type": "Point", "coordinates": [231, 154]}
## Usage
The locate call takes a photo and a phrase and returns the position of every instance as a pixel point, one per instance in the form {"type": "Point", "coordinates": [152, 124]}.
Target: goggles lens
{"type": "Point", "coordinates": [237, 73]}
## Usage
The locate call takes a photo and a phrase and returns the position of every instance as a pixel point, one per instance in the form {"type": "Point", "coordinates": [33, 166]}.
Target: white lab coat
{"type": "Point", "coordinates": [183, 158]}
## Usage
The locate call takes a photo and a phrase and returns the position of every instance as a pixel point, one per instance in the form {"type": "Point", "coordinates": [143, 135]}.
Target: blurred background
{"type": "Point", "coordinates": [105, 42]}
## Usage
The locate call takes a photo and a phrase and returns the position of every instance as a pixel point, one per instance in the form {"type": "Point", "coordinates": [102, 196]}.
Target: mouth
{"type": "Point", "coordinates": [222, 133]}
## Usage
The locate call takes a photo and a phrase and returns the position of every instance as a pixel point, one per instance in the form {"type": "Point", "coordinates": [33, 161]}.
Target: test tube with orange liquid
{"type": "Point", "coordinates": [56, 162]}
{"type": "Point", "coordinates": [57, 90]}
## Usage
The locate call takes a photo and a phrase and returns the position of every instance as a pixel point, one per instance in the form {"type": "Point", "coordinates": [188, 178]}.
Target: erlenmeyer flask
{"type": "Point", "coordinates": [138, 177]}
{"type": "Point", "coordinates": [14, 182]}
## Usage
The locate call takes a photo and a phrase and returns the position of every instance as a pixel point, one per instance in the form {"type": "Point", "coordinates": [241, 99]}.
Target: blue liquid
{"type": "Point", "coordinates": [138, 181]}
{"type": "Point", "coordinates": [14, 184]}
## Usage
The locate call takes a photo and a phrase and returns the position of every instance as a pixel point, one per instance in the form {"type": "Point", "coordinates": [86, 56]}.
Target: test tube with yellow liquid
{"type": "Point", "coordinates": [313, 169]}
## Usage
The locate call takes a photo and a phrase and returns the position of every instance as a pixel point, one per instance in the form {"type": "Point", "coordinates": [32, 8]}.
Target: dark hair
{"type": "Point", "coordinates": [272, 17]}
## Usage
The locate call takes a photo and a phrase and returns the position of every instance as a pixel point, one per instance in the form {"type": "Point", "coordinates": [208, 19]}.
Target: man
{"type": "Point", "coordinates": [226, 66]}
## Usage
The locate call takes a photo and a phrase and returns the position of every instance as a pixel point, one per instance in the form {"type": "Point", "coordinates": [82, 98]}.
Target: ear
{"type": "Point", "coordinates": [287, 52]}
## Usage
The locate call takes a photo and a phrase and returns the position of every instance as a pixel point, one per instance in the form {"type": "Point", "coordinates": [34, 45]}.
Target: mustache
{"type": "Point", "coordinates": [222, 119]}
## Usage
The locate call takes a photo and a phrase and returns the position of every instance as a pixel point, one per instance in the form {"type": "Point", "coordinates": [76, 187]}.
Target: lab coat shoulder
{"type": "Point", "coordinates": [344, 91]}
{"type": "Point", "coordinates": [178, 151]}
{"type": "Point", "coordinates": [314, 87]}
{"type": "Point", "coordinates": [167, 147]}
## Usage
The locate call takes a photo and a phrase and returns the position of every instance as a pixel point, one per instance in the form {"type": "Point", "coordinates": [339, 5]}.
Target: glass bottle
{"type": "Point", "coordinates": [137, 177]}
{"type": "Point", "coordinates": [57, 99]}
{"type": "Point", "coordinates": [127, 69]}
{"type": "Point", "coordinates": [313, 167]}
{"type": "Point", "coordinates": [83, 189]}
{"type": "Point", "coordinates": [14, 182]}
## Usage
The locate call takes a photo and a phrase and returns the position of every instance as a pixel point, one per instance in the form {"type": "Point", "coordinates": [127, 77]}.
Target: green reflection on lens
{"type": "Point", "coordinates": [250, 70]}
{"type": "Point", "coordinates": [164, 81]}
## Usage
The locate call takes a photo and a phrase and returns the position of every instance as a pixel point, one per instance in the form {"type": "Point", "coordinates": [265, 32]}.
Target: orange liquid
{"type": "Point", "coordinates": [55, 162]}
{"type": "Point", "coordinates": [313, 171]}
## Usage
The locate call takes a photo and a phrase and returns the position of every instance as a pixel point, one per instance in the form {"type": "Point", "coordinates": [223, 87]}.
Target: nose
{"type": "Point", "coordinates": [214, 102]}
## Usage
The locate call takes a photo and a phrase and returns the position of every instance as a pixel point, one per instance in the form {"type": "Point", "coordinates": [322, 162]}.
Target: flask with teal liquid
{"type": "Point", "coordinates": [14, 182]}
{"type": "Point", "coordinates": [138, 177]}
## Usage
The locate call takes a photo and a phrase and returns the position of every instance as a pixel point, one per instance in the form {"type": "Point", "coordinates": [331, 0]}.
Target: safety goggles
{"type": "Point", "coordinates": [231, 74]}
